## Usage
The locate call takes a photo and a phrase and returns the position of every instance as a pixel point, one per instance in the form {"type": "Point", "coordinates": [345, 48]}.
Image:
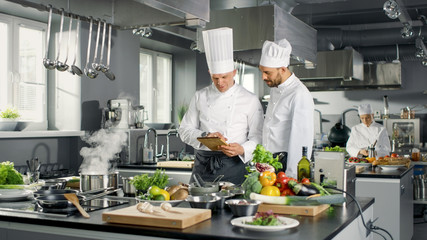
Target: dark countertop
{"type": "Point", "coordinates": [377, 172]}
{"type": "Point", "coordinates": [152, 167]}
{"type": "Point", "coordinates": [325, 225]}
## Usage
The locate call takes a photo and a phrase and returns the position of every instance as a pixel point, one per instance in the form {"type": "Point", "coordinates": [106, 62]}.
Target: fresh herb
{"type": "Point", "coordinates": [261, 155]}
{"type": "Point", "coordinates": [265, 219]}
{"type": "Point", "coordinates": [10, 113]}
{"type": "Point", "coordinates": [8, 174]}
{"type": "Point", "coordinates": [144, 181]}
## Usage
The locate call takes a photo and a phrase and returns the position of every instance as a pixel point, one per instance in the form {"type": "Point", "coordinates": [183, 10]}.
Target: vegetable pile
{"type": "Point", "coordinates": [264, 161]}
{"type": "Point", "coordinates": [144, 181]}
{"type": "Point", "coordinates": [265, 219]}
{"type": "Point", "coordinates": [8, 174]}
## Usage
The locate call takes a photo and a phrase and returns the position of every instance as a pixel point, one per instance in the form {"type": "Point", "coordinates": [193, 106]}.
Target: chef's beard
{"type": "Point", "coordinates": [275, 82]}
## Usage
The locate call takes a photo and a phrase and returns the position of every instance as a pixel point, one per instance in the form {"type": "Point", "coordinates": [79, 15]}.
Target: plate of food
{"type": "Point", "coordinates": [390, 167]}
{"type": "Point", "coordinates": [359, 162]}
{"type": "Point", "coordinates": [265, 222]}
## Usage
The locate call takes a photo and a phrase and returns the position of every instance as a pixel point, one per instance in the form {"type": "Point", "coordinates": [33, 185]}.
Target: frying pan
{"type": "Point", "coordinates": [57, 201]}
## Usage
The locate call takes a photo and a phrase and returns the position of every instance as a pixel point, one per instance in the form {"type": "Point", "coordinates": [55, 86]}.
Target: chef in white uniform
{"type": "Point", "coordinates": [288, 124]}
{"type": "Point", "coordinates": [367, 133]}
{"type": "Point", "coordinates": [224, 109]}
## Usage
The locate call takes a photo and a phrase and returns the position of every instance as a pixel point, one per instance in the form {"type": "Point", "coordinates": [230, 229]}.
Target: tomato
{"type": "Point", "coordinates": [394, 155]}
{"type": "Point", "coordinates": [267, 178]}
{"type": "Point", "coordinates": [281, 175]}
{"type": "Point", "coordinates": [305, 181]}
{"type": "Point", "coordinates": [282, 183]}
{"type": "Point", "coordinates": [270, 191]}
{"type": "Point", "coordinates": [287, 192]}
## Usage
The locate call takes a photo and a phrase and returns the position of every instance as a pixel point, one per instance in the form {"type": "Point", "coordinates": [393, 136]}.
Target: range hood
{"type": "Point", "coordinates": [344, 64]}
{"type": "Point", "coordinates": [253, 25]}
{"type": "Point", "coordinates": [379, 75]}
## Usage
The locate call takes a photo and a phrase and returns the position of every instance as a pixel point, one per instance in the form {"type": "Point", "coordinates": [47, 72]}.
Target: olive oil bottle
{"type": "Point", "coordinates": [304, 166]}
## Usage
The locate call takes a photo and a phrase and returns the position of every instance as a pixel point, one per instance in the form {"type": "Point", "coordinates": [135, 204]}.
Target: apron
{"type": "Point", "coordinates": [210, 164]}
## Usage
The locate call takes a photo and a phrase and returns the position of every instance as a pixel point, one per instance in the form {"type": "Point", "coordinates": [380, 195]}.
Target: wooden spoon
{"type": "Point", "coordinates": [72, 197]}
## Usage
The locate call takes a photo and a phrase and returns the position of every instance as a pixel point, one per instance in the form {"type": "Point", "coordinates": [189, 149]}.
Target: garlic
{"type": "Point", "coordinates": [166, 206]}
{"type": "Point", "coordinates": [145, 207]}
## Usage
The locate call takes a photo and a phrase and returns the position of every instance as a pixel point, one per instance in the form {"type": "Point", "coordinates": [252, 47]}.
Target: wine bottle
{"type": "Point", "coordinates": [304, 166]}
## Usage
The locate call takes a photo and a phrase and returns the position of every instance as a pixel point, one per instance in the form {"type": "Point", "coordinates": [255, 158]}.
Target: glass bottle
{"type": "Point", "coordinates": [304, 166]}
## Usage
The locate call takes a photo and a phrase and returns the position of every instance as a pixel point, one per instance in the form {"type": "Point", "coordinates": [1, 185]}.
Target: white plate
{"type": "Point", "coordinates": [286, 223]}
{"type": "Point", "coordinates": [15, 194]}
{"type": "Point", "coordinates": [360, 164]}
{"type": "Point", "coordinates": [390, 167]}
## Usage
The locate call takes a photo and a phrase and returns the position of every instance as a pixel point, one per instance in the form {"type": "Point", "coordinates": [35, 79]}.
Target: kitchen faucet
{"type": "Point", "coordinates": [170, 133]}
{"type": "Point", "coordinates": [156, 155]}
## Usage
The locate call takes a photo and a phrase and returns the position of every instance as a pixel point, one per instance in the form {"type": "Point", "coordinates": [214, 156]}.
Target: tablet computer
{"type": "Point", "coordinates": [212, 142]}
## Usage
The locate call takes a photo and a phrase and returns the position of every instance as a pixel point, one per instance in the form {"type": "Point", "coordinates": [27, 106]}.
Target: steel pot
{"type": "Point", "coordinates": [128, 188]}
{"type": "Point", "coordinates": [98, 181]}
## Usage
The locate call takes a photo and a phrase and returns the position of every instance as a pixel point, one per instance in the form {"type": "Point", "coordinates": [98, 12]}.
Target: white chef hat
{"type": "Point", "coordinates": [364, 109]}
{"type": "Point", "coordinates": [275, 55]}
{"type": "Point", "coordinates": [218, 45]}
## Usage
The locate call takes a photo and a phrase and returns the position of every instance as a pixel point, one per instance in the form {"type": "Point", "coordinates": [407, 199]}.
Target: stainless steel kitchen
{"type": "Point", "coordinates": [110, 111]}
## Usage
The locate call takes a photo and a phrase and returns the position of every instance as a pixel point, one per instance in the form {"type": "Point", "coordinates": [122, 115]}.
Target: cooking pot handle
{"type": "Point", "coordinates": [88, 198]}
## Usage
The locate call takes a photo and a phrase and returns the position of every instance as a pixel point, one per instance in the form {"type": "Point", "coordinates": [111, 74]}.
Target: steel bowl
{"type": "Point", "coordinates": [243, 207]}
{"type": "Point", "coordinates": [224, 195]}
{"type": "Point", "coordinates": [206, 202]}
{"type": "Point", "coordinates": [208, 188]}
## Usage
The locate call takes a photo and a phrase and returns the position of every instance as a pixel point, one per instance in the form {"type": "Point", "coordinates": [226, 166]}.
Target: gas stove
{"type": "Point", "coordinates": [32, 207]}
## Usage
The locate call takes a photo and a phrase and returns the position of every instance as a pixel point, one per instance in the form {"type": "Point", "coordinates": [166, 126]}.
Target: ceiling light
{"type": "Point", "coordinates": [424, 62]}
{"type": "Point", "coordinates": [391, 9]}
{"type": "Point", "coordinates": [143, 32]}
{"type": "Point", "coordinates": [407, 32]}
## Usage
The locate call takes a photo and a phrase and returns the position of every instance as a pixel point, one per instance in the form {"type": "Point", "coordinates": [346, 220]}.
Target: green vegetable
{"type": "Point", "coordinates": [8, 174]}
{"type": "Point", "coordinates": [261, 155]}
{"type": "Point", "coordinates": [334, 149]}
{"type": "Point", "coordinates": [322, 190]}
{"type": "Point", "coordinates": [251, 184]}
{"type": "Point", "coordinates": [264, 219]}
{"type": "Point", "coordinates": [299, 200]}
{"type": "Point", "coordinates": [144, 181]}
{"type": "Point", "coordinates": [10, 113]}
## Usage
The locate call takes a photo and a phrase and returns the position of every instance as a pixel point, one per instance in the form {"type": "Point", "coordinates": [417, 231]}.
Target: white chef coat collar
{"type": "Point", "coordinates": [287, 82]}
{"type": "Point", "coordinates": [230, 91]}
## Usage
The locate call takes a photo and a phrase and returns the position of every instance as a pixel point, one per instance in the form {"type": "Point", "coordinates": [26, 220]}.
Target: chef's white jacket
{"type": "Point", "coordinates": [236, 113]}
{"type": "Point", "coordinates": [361, 137]}
{"type": "Point", "coordinates": [288, 124]}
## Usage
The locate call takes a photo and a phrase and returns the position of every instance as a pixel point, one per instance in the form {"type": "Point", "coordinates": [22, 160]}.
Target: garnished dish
{"type": "Point", "coordinates": [360, 161]}
{"type": "Point", "coordinates": [265, 221]}
{"type": "Point", "coordinates": [390, 167]}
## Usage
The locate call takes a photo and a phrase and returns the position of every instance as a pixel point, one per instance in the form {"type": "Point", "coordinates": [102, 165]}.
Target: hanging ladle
{"type": "Point", "coordinates": [106, 69]}
{"type": "Point", "coordinates": [95, 56]}
{"type": "Point", "coordinates": [74, 69]}
{"type": "Point", "coordinates": [88, 71]}
{"type": "Point", "coordinates": [49, 64]}
{"type": "Point", "coordinates": [98, 66]}
{"type": "Point", "coordinates": [60, 66]}
{"type": "Point", "coordinates": [68, 41]}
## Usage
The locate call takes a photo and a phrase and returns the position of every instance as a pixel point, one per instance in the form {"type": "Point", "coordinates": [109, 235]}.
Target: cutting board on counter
{"type": "Point", "coordinates": [176, 164]}
{"type": "Point", "coordinates": [178, 218]}
{"type": "Point", "coordinates": [298, 210]}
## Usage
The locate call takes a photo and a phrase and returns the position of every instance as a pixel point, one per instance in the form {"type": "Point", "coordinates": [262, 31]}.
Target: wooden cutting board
{"type": "Point", "coordinates": [176, 218]}
{"type": "Point", "coordinates": [176, 164]}
{"type": "Point", "coordinates": [298, 210]}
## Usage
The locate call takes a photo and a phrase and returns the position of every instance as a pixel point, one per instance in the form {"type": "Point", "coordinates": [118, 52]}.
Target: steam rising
{"type": "Point", "coordinates": [104, 145]}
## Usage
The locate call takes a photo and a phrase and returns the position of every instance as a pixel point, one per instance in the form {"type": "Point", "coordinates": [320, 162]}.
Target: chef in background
{"type": "Point", "coordinates": [288, 123]}
{"type": "Point", "coordinates": [367, 133]}
{"type": "Point", "coordinates": [225, 110]}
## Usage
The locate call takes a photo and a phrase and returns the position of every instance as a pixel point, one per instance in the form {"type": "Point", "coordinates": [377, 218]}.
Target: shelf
{"type": "Point", "coordinates": [420, 201]}
{"type": "Point", "coordinates": [40, 134]}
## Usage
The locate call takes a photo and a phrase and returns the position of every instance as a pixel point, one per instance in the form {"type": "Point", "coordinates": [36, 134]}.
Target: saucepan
{"type": "Point", "coordinates": [90, 182]}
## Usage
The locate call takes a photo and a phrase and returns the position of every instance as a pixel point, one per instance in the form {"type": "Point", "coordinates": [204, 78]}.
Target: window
{"type": "Point", "coordinates": [22, 75]}
{"type": "Point", "coordinates": [246, 75]}
{"type": "Point", "coordinates": [155, 92]}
